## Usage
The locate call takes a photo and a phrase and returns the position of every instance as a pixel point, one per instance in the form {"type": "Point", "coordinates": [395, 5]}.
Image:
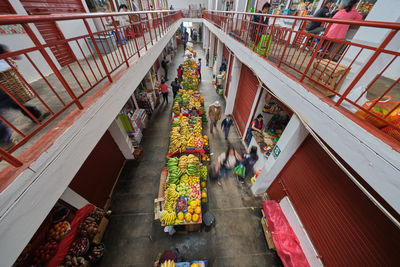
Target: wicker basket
{"type": "Point", "coordinates": [10, 80]}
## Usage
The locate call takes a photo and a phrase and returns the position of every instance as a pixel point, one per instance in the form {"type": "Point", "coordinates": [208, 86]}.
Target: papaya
{"type": "Point", "coordinates": [188, 217]}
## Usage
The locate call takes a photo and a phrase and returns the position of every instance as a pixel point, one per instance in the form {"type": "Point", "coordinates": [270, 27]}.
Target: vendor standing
{"type": "Point", "coordinates": [256, 125]}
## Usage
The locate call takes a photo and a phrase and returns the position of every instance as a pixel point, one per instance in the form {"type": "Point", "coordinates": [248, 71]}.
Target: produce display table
{"type": "Point", "coordinates": [67, 241]}
{"type": "Point", "coordinates": [188, 263]}
{"type": "Point", "coordinates": [182, 189]}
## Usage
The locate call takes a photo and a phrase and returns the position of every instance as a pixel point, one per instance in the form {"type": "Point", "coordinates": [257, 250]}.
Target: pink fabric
{"type": "Point", "coordinates": [339, 31]}
{"type": "Point", "coordinates": [285, 240]}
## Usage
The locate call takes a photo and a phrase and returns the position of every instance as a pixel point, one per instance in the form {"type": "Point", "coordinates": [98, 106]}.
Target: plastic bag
{"type": "Point", "coordinates": [353, 96]}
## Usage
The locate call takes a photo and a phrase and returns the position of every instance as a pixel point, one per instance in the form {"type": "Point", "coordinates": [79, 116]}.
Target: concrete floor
{"type": "Point", "coordinates": [133, 238]}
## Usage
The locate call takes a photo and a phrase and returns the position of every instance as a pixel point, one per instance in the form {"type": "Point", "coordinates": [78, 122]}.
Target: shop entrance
{"type": "Point", "coordinates": [275, 117]}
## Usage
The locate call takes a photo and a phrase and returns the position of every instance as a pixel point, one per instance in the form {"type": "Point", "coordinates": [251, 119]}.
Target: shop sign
{"type": "Point", "coordinates": [276, 151]}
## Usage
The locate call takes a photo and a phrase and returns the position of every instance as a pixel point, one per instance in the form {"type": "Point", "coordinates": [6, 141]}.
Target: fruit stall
{"type": "Point", "coordinates": [67, 237]}
{"type": "Point", "coordinates": [183, 191]}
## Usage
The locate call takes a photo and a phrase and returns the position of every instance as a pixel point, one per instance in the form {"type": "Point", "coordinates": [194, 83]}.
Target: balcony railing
{"type": "Point", "coordinates": [348, 71]}
{"type": "Point", "coordinates": [192, 13]}
{"type": "Point", "coordinates": [62, 71]}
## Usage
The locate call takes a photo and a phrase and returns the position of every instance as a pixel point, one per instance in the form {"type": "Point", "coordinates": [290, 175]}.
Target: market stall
{"type": "Point", "coordinates": [182, 191]}
{"type": "Point", "coordinates": [275, 118]}
{"type": "Point", "coordinates": [67, 237]}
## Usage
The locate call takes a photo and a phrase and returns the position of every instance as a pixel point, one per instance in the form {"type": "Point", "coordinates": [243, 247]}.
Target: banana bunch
{"type": "Point", "coordinates": [167, 217]}
{"type": "Point", "coordinates": [172, 163]}
{"type": "Point", "coordinates": [168, 263]}
{"type": "Point", "coordinates": [184, 179]}
{"type": "Point", "coordinates": [171, 194]}
{"type": "Point", "coordinates": [176, 108]}
{"type": "Point", "coordinates": [184, 122]}
{"type": "Point", "coordinates": [197, 128]}
{"type": "Point", "coordinates": [192, 159]}
{"type": "Point", "coordinates": [194, 180]}
{"type": "Point", "coordinates": [170, 206]}
{"type": "Point", "coordinates": [183, 162]}
{"type": "Point", "coordinates": [175, 143]}
{"type": "Point", "coordinates": [183, 143]}
{"type": "Point", "coordinates": [192, 170]}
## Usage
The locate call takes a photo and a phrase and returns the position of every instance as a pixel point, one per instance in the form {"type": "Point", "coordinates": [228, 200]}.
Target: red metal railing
{"type": "Point", "coordinates": [100, 45]}
{"type": "Point", "coordinates": [322, 63]}
{"type": "Point", "coordinates": [192, 13]}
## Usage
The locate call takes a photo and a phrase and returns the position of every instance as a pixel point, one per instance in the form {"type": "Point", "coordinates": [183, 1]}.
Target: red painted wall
{"type": "Point", "coordinates": [346, 228]}
{"type": "Point", "coordinates": [98, 174]}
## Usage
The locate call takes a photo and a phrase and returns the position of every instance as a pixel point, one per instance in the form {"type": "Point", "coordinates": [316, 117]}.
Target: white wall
{"type": "Point", "coordinates": [291, 138]}
{"type": "Point", "coordinates": [122, 139]}
{"type": "Point", "coordinates": [73, 198]}
{"type": "Point", "coordinates": [184, 4]}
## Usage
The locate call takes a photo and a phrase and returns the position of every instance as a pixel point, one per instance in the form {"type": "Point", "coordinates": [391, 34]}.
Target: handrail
{"type": "Point", "coordinates": [17, 19]}
{"type": "Point", "coordinates": [366, 23]}
{"type": "Point", "coordinates": [71, 66]}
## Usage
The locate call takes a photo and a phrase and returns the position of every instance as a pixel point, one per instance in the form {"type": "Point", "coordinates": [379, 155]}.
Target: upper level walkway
{"type": "Point", "coordinates": [49, 83]}
{"type": "Point", "coordinates": [343, 73]}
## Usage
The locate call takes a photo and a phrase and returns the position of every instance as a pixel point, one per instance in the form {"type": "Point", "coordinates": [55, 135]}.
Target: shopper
{"type": "Point", "coordinates": [175, 86]}
{"type": "Point", "coordinates": [259, 22]}
{"type": "Point", "coordinates": [199, 67]}
{"type": "Point", "coordinates": [7, 103]}
{"type": "Point", "coordinates": [339, 31]}
{"type": "Point", "coordinates": [256, 125]}
{"type": "Point", "coordinates": [226, 162]}
{"type": "Point", "coordinates": [314, 27]}
{"type": "Point", "coordinates": [214, 113]}
{"type": "Point", "coordinates": [226, 125]}
{"type": "Point", "coordinates": [200, 32]}
{"type": "Point", "coordinates": [164, 88]}
{"type": "Point", "coordinates": [164, 65]}
{"type": "Point", "coordinates": [248, 161]}
{"type": "Point", "coordinates": [180, 71]}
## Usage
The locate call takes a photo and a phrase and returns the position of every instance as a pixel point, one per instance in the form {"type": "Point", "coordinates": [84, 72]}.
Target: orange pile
{"type": "Point", "coordinates": [58, 230]}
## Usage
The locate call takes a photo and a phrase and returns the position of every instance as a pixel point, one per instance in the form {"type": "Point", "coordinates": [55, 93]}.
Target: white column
{"type": "Point", "coordinates": [211, 4]}
{"type": "Point", "coordinates": [233, 85]}
{"type": "Point", "coordinates": [240, 5]}
{"type": "Point", "coordinates": [73, 198]}
{"type": "Point", "coordinates": [218, 61]}
{"type": "Point", "coordinates": [205, 37]}
{"type": "Point", "coordinates": [121, 138]}
{"type": "Point", "coordinates": [292, 137]}
{"type": "Point", "coordinates": [211, 50]}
